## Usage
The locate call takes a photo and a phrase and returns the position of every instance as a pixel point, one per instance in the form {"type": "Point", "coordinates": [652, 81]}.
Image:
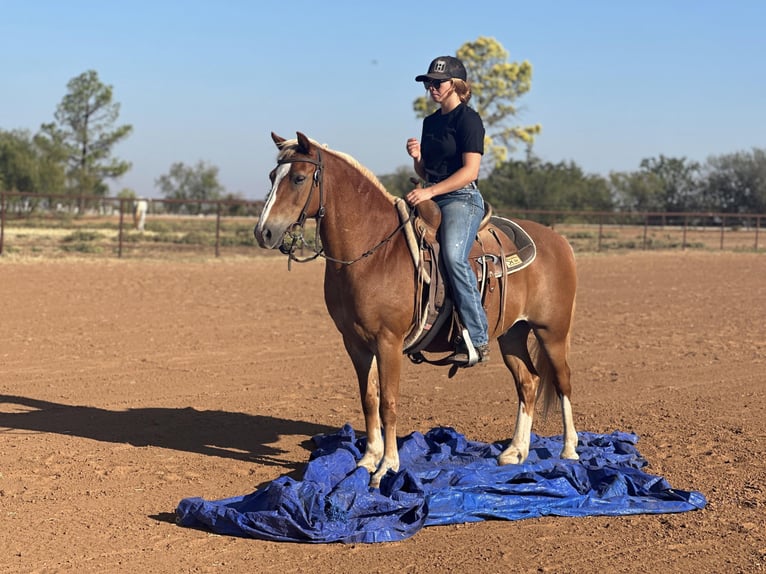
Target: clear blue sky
{"type": "Point", "coordinates": [615, 81]}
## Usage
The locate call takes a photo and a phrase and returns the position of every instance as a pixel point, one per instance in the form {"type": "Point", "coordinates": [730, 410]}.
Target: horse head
{"type": "Point", "coordinates": [293, 197]}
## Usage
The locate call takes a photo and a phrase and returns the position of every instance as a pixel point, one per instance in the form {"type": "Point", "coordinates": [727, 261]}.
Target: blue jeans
{"type": "Point", "coordinates": [462, 211]}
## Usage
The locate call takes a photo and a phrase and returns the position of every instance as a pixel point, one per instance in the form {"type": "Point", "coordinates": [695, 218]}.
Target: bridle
{"type": "Point", "coordinates": [297, 228]}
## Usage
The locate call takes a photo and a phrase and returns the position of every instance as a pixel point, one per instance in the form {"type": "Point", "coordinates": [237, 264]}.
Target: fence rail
{"type": "Point", "coordinates": [58, 225]}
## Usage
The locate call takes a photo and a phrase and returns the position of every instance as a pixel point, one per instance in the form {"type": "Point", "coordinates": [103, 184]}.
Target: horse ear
{"type": "Point", "coordinates": [304, 144]}
{"type": "Point", "coordinates": [277, 140]}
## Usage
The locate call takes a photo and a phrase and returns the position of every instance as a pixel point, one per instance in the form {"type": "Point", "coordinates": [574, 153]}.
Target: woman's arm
{"type": "Point", "coordinates": [458, 180]}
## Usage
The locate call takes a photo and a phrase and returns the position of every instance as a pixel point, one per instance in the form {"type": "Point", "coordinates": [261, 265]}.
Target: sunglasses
{"type": "Point", "coordinates": [435, 84]}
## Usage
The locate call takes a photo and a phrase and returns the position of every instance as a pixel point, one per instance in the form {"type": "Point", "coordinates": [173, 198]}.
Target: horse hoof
{"type": "Point", "coordinates": [512, 457]}
{"type": "Point", "coordinates": [569, 455]}
{"type": "Point", "coordinates": [368, 463]}
{"type": "Point", "coordinates": [376, 478]}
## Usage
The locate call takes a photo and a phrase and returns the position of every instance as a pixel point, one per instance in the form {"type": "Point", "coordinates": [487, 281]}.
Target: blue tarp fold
{"type": "Point", "coordinates": [445, 479]}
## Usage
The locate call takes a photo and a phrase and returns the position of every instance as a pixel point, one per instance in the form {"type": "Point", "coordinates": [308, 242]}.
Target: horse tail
{"type": "Point", "coordinates": [547, 393]}
{"type": "Point", "coordinates": [546, 390]}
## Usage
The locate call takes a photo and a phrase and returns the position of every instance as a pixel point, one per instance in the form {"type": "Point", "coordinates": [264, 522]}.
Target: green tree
{"type": "Point", "coordinates": [679, 180]}
{"type": "Point", "coordinates": [534, 184]}
{"type": "Point", "coordinates": [736, 183]}
{"type": "Point", "coordinates": [27, 165]}
{"type": "Point", "coordinates": [496, 85]}
{"type": "Point", "coordinates": [198, 183]}
{"type": "Point", "coordinates": [18, 162]}
{"type": "Point", "coordinates": [85, 133]}
{"type": "Point", "coordinates": [52, 164]}
{"type": "Point", "coordinates": [640, 191]}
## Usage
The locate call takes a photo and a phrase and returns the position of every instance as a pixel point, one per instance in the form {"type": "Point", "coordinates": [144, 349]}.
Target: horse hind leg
{"type": "Point", "coordinates": [513, 347]}
{"type": "Point", "coordinates": [552, 360]}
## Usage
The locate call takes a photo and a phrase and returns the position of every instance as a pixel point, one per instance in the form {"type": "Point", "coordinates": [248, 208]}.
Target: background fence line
{"type": "Point", "coordinates": [26, 211]}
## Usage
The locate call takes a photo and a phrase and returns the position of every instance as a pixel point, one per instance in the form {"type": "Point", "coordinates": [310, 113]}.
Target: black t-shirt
{"type": "Point", "coordinates": [446, 137]}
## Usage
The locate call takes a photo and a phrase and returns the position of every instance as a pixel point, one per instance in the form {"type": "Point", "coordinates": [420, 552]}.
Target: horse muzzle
{"type": "Point", "coordinates": [273, 237]}
{"type": "Point", "coordinates": [265, 239]}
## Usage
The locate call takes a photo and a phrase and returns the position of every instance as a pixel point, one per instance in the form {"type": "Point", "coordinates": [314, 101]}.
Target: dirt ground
{"type": "Point", "coordinates": [126, 386]}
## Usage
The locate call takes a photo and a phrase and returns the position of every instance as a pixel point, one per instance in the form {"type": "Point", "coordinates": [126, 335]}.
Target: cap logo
{"type": "Point", "coordinates": [440, 66]}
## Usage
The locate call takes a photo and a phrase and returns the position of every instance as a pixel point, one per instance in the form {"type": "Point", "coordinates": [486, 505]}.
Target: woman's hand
{"type": "Point", "coordinates": [419, 195]}
{"type": "Point", "coordinates": [413, 149]}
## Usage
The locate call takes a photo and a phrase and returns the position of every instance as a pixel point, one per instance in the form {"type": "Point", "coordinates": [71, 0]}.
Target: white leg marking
{"type": "Point", "coordinates": [385, 465]}
{"type": "Point", "coordinates": [518, 450]}
{"type": "Point", "coordinates": [373, 453]}
{"type": "Point", "coordinates": [570, 434]}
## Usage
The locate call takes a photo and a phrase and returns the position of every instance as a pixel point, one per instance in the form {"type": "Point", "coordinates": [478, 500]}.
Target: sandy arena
{"type": "Point", "coordinates": [126, 386]}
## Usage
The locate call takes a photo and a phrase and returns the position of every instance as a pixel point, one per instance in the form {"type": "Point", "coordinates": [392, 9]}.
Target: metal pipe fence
{"type": "Point", "coordinates": [60, 225]}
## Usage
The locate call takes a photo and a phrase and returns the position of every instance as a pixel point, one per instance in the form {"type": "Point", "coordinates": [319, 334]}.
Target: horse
{"type": "Point", "coordinates": [370, 291]}
{"type": "Point", "coordinates": [140, 207]}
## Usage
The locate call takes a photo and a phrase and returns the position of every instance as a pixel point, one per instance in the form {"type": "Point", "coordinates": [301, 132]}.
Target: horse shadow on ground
{"type": "Point", "coordinates": [238, 436]}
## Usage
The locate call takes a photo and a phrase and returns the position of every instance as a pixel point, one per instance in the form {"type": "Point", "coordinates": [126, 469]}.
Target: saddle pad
{"type": "Point", "coordinates": [525, 245]}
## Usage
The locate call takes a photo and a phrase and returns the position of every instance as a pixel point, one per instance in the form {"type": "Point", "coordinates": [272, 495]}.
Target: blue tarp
{"type": "Point", "coordinates": [445, 479]}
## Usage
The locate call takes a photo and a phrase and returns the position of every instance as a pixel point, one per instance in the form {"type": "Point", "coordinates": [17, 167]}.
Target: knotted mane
{"type": "Point", "coordinates": [288, 149]}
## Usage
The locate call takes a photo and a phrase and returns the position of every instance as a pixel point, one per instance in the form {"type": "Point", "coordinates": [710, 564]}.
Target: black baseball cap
{"type": "Point", "coordinates": [444, 68]}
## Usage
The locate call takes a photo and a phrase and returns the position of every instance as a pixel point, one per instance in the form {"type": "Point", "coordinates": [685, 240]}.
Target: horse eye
{"type": "Point", "coordinates": [299, 179]}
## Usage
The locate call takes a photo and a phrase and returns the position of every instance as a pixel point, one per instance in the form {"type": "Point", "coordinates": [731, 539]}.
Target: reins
{"type": "Point", "coordinates": [300, 224]}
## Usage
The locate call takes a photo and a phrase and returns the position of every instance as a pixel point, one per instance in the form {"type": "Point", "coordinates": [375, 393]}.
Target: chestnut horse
{"type": "Point", "coordinates": [370, 292]}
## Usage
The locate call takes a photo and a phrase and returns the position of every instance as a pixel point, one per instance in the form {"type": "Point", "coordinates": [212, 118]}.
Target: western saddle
{"type": "Point", "coordinates": [501, 247]}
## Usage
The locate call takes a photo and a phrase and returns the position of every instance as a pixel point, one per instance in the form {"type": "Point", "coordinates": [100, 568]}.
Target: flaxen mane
{"type": "Point", "coordinates": [288, 150]}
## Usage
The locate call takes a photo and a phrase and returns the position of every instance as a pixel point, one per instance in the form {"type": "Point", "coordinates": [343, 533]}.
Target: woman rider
{"type": "Point", "coordinates": [448, 158]}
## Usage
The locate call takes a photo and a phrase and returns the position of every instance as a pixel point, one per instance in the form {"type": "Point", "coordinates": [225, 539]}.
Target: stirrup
{"type": "Point", "coordinates": [471, 357]}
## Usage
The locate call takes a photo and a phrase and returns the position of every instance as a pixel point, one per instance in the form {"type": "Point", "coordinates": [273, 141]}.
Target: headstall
{"type": "Point", "coordinates": [296, 229]}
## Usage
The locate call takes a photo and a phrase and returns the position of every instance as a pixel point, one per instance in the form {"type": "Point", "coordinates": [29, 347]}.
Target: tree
{"type": "Point", "coordinates": [84, 132]}
{"type": "Point", "coordinates": [496, 84]}
{"type": "Point", "coordinates": [198, 183]}
{"type": "Point", "coordinates": [52, 164]}
{"type": "Point", "coordinates": [679, 180]}
{"type": "Point", "coordinates": [639, 191]}
{"type": "Point", "coordinates": [27, 166]}
{"type": "Point", "coordinates": [18, 162]}
{"type": "Point", "coordinates": [533, 184]}
{"type": "Point", "coordinates": [661, 184]}
{"type": "Point", "coordinates": [736, 183]}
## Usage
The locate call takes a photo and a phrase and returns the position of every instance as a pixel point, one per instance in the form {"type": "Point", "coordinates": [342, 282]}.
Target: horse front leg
{"type": "Point", "coordinates": [389, 360]}
{"type": "Point", "coordinates": [366, 369]}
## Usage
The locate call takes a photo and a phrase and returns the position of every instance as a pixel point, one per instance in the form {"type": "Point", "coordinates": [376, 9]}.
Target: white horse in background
{"type": "Point", "coordinates": [140, 207]}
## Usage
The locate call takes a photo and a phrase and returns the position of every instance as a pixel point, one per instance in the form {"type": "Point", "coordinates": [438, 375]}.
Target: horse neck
{"type": "Point", "coordinates": [358, 215]}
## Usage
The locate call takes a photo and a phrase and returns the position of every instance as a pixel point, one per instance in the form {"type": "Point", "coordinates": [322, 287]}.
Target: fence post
{"type": "Point", "coordinates": [646, 228]}
{"type": "Point", "coordinates": [757, 227]}
{"type": "Point", "coordinates": [218, 230]}
{"type": "Point", "coordinates": [723, 227]}
{"type": "Point", "coordinates": [600, 230]}
{"type": "Point", "coordinates": [119, 235]}
{"type": "Point", "coordinates": [683, 242]}
{"type": "Point", "coordinates": [2, 220]}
